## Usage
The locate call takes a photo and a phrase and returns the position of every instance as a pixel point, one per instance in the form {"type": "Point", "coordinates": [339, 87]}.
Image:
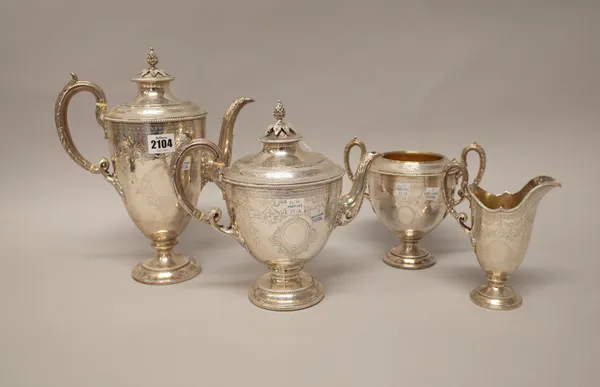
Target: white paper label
{"type": "Point", "coordinates": [295, 206]}
{"type": "Point", "coordinates": [402, 189]}
{"type": "Point", "coordinates": [187, 163]}
{"type": "Point", "coordinates": [431, 193]}
{"type": "Point", "coordinates": [318, 214]}
{"type": "Point", "coordinates": [161, 143]}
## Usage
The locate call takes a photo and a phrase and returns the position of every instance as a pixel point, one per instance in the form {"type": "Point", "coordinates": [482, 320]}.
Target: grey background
{"type": "Point", "coordinates": [519, 77]}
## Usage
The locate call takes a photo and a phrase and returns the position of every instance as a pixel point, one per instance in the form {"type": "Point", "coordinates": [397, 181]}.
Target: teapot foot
{"type": "Point", "coordinates": [298, 292]}
{"type": "Point", "coordinates": [397, 258]}
{"type": "Point", "coordinates": [496, 298]}
{"type": "Point", "coordinates": [154, 271]}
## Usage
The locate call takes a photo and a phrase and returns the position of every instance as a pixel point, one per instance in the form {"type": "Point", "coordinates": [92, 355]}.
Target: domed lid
{"type": "Point", "coordinates": [154, 102]}
{"type": "Point", "coordinates": [282, 161]}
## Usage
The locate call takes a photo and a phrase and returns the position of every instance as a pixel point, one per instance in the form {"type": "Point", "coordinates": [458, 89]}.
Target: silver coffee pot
{"type": "Point", "coordinates": [142, 136]}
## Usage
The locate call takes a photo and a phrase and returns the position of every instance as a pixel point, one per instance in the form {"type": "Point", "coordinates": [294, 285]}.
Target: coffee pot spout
{"type": "Point", "coordinates": [227, 124]}
{"type": "Point", "coordinates": [350, 203]}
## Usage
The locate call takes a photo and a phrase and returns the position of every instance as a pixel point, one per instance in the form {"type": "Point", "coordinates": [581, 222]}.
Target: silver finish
{"type": "Point", "coordinates": [405, 194]}
{"type": "Point", "coordinates": [141, 167]}
{"type": "Point", "coordinates": [500, 231]}
{"type": "Point", "coordinates": [283, 203]}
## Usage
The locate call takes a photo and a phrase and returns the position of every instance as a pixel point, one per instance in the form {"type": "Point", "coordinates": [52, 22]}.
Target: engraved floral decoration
{"type": "Point", "coordinates": [507, 227]}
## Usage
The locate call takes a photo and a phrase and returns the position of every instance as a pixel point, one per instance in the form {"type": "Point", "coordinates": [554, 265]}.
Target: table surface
{"type": "Point", "coordinates": [520, 78]}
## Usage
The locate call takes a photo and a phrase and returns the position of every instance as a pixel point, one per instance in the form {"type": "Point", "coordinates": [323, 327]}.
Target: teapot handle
{"type": "Point", "coordinates": [72, 88]}
{"type": "Point", "coordinates": [363, 150]}
{"type": "Point", "coordinates": [175, 173]}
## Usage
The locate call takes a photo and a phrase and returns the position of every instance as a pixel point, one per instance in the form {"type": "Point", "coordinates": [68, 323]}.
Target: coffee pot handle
{"type": "Point", "coordinates": [72, 88]}
{"type": "Point", "coordinates": [363, 150]}
{"type": "Point", "coordinates": [175, 173]}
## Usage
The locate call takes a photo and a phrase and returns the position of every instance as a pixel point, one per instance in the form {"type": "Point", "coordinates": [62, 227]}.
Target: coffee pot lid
{"type": "Point", "coordinates": [154, 101]}
{"type": "Point", "coordinates": [282, 161]}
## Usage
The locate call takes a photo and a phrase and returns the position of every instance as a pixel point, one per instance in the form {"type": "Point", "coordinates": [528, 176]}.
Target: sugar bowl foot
{"type": "Point", "coordinates": [280, 290]}
{"type": "Point", "coordinates": [166, 268]}
{"type": "Point", "coordinates": [496, 296]}
{"type": "Point", "coordinates": [409, 256]}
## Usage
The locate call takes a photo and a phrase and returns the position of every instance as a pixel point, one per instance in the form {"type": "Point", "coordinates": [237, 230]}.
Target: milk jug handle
{"type": "Point", "coordinates": [214, 216]}
{"type": "Point", "coordinates": [452, 168]}
{"type": "Point", "coordinates": [482, 160]}
{"type": "Point", "coordinates": [72, 88]}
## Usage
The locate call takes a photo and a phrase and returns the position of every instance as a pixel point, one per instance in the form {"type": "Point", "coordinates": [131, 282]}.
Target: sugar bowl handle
{"type": "Point", "coordinates": [363, 150]}
{"type": "Point", "coordinates": [61, 108]}
{"type": "Point", "coordinates": [175, 173]}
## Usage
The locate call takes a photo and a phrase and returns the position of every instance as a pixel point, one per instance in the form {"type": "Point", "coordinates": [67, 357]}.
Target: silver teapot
{"type": "Point", "coordinates": [283, 204]}
{"type": "Point", "coordinates": [142, 137]}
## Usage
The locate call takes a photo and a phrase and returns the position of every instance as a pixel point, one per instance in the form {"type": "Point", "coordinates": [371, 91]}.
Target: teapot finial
{"type": "Point", "coordinates": [279, 112]}
{"type": "Point", "coordinates": [280, 130]}
{"type": "Point", "coordinates": [152, 58]}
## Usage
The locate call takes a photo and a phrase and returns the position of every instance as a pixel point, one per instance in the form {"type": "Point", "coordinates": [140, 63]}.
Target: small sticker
{"type": "Point", "coordinates": [187, 163]}
{"type": "Point", "coordinates": [161, 143]}
{"type": "Point", "coordinates": [402, 189]}
{"type": "Point", "coordinates": [317, 214]}
{"type": "Point", "coordinates": [295, 206]}
{"type": "Point", "coordinates": [431, 193]}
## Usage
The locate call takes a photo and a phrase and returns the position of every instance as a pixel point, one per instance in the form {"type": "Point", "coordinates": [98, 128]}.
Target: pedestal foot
{"type": "Point", "coordinates": [277, 292]}
{"type": "Point", "coordinates": [166, 268]}
{"type": "Point", "coordinates": [409, 256]}
{"type": "Point", "coordinates": [495, 295]}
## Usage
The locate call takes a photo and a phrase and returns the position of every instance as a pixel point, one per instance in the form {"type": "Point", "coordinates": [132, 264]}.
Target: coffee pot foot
{"type": "Point", "coordinates": [493, 297]}
{"type": "Point", "coordinates": [286, 293]}
{"type": "Point", "coordinates": [156, 271]}
{"type": "Point", "coordinates": [409, 256]}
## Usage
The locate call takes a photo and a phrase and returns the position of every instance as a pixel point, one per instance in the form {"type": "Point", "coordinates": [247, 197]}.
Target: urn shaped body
{"type": "Point", "coordinates": [142, 137]}
{"type": "Point", "coordinates": [404, 188]}
{"type": "Point", "coordinates": [283, 203]}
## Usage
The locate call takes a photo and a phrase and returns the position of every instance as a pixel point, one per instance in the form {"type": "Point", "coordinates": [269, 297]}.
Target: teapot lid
{"type": "Point", "coordinates": [154, 103]}
{"type": "Point", "coordinates": [282, 161]}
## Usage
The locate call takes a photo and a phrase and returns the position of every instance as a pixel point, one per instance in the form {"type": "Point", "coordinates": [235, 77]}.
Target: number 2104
{"type": "Point", "coordinates": [161, 144]}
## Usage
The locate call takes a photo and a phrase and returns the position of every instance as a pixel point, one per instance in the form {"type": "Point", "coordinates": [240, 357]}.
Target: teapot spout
{"type": "Point", "coordinates": [350, 203]}
{"type": "Point", "coordinates": [229, 118]}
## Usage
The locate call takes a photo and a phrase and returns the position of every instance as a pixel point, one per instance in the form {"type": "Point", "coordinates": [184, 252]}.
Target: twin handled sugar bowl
{"type": "Point", "coordinates": [283, 204]}
{"type": "Point", "coordinates": [142, 137]}
{"type": "Point", "coordinates": [405, 191]}
{"type": "Point", "coordinates": [500, 230]}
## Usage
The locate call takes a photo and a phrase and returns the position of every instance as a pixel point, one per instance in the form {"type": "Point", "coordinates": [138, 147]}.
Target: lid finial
{"type": "Point", "coordinates": [152, 59]}
{"type": "Point", "coordinates": [153, 74]}
{"type": "Point", "coordinates": [280, 130]}
{"type": "Point", "coordinates": [279, 112]}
